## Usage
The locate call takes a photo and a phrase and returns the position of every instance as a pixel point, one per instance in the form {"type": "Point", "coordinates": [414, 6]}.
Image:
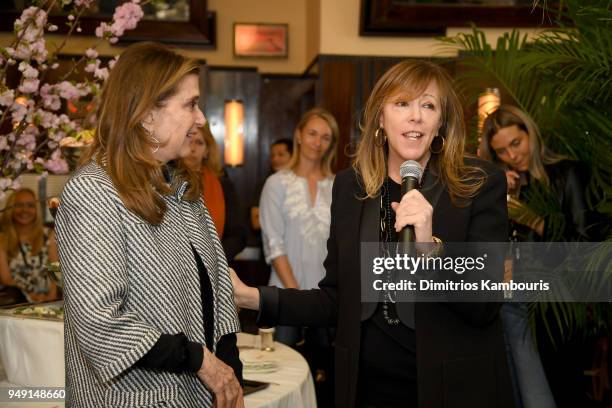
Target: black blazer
{"type": "Point", "coordinates": [461, 359]}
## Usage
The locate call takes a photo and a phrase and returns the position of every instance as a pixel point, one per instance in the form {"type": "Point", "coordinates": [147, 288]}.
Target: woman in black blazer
{"type": "Point", "coordinates": [430, 355]}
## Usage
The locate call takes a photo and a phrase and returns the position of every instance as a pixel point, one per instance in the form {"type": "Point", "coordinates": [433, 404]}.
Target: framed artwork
{"type": "Point", "coordinates": [261, 40]}
{"type": "Point", "coordinates": [431, 17]}
{"type": "Point", "coordinates": [185, 22]}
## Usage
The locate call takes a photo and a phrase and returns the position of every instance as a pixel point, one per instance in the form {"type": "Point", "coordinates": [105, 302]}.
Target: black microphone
{"type": "Point", "coordinates": [411, 173]}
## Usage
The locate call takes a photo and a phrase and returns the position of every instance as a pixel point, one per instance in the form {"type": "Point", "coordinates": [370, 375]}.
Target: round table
{"type": "Point", "coordinates": [291, 386]}
{"type": "Point", "coordinates": [32, 354]}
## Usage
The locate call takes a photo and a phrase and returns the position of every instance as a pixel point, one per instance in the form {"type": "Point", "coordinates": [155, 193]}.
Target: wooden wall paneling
{"type": "Point", "coordinates": [283, 100]}
{"type": "Point", "coordinates": [219, 85]}
{"type": "Point", "coordinates": [345, 83]}
{"type": "Point", "coordinates": [336, 94]}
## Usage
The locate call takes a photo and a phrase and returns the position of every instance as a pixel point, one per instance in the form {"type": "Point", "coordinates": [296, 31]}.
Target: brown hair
{"type": "Point", "coordinates": [329, 158]}
{"type": "Point", "coordinates": [146, 75]}
{"type": "Point", "coordinates": [10, 240]}
{"type": "Point", "coordinates": [507, 116]}
{"type": "Point", "coordinates": [413, 77]}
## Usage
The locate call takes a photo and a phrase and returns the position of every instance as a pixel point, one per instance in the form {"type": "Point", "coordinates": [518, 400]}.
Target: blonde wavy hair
{"type": "Point", "coordinates": [329, 158]}
{"type": "Point", "coordinates": [9, 238]}
{"type": "Point", "coordinates": [539, 154]}
{"type": "Point", "coordinates": [146, 75]}
{"type": "Point", "coordinates": [412, 77]}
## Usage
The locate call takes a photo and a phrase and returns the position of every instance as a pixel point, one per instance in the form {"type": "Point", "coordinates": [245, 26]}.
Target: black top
{"type": "Point", "coordinates": [388, 355]}
{"type": "Point", "coordinates": [175, 353]}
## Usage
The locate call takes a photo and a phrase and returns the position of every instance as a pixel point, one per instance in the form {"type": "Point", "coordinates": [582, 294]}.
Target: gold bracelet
{"type": "Point", "coordinates": [437, 247]}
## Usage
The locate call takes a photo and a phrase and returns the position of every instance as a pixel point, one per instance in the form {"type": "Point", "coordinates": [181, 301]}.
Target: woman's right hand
{"type": "Point", "coordinates": [221, 380]}
{"type": "Point", "coordinates": [512, 178]}
{"type": "Point", "coordinates": [245, 296]}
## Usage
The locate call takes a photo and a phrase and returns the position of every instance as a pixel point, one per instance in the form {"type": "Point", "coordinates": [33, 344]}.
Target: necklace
{"type": "Point", "coordinates": [387, 238]}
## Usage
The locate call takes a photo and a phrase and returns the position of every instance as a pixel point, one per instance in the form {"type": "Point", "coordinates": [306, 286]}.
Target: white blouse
{"type": "Point", "coordinates": [293, 227]}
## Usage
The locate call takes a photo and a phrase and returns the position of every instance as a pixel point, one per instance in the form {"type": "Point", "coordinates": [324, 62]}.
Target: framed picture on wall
{"type": "Point", "coordinates": [261, 40]}
{"type": "Point", "coordinates": [418, 18]}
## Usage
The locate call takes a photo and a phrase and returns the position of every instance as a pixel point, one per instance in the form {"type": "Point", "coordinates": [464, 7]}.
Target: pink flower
{"type": "Point", "coordinates": [126, 17]}
{"type": "Point", "coordinates": [27, 70]}
{"type": "Point", "coordinates": [112, 62]}
{"type": "Point", "coordinates": [7, 97]}
{"type": "Point", "coordinates": [3, 143]}
{"type": "Point", "coordinates": [56, 164]}
{"type": "Point", "coordinates": [91, 53]}
{"type": "Point", "coordinates": [27, 138]}
{"type": "Point", "coordinates": [92, 66]}
{"type": "Point", "coordinates": [29, 85]}
{"type": "Point", "coordinates": [18, 112]}
{"type": "Point", "coordinates": [101, 73]}
{"type": "Point", "coordinates": [52, 28]}
{"type": "Point", "coordinates": [36, 14]}
{"type": "Point", "coordinates": [50, 100]}
{"type": "Point", "coordinates": [48, 119]}
{"type": "Point", "coordinates": [83, 3]}
{"type": "Point", "coordinates": [102, 29]}
{"type": "Point", "coordinates": [68, 91]}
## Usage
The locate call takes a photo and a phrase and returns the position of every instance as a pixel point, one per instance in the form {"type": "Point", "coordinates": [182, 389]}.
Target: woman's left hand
{"type": "Point", "coordinates": [415, 210]}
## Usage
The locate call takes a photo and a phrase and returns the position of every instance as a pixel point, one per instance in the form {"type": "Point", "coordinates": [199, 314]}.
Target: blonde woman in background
{"type": "Point", "coordinates": [295, 209]}
{"type": "Point", "coordinates": [25, 248]}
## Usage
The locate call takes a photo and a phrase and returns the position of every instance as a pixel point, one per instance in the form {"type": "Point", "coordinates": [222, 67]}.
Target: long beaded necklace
{"type": "Point", "coordinates": [387, 238]}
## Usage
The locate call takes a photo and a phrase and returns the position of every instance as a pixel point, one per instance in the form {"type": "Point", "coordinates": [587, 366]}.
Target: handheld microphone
{"type": "Point", "coordinates": [411, 173]}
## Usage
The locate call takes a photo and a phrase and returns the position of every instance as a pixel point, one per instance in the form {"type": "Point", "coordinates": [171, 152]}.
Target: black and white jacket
{"type": "Point", "coordinates": [126, 283]}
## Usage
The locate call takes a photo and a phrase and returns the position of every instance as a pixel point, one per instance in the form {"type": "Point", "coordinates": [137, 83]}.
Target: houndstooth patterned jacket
{"type": "Point", "coordinates": [126, 283]}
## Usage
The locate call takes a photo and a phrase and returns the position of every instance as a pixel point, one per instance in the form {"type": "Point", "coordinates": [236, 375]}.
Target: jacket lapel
{"type": "Point", "coordinates": [369, 227]}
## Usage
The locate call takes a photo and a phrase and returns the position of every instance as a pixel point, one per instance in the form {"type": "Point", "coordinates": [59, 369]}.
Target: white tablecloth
{"type": "Point", "coordinates": [32, 353]}
{"type": "Point", "coordinates": [291, 386]}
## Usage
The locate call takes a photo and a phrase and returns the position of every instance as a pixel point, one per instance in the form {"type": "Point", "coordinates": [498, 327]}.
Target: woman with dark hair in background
{"type": "Point", "coordinates": [25, 248]}
{"type": "Point", "coordinates": [280, 155]}
{"type": "Point", "coordinates": [432, 355]}
{"type": "Point", "coordinates": [512, 139]}
{"type": "Point", "coordinates": [218, 191]}
{"type": "Point", "coordinates": [149, 314]}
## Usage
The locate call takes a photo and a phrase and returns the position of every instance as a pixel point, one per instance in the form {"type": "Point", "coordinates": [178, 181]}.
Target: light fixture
{"type": "Point", "coordinates": [234, 133]}
{"type": "Point", "coordinates": [488, 102]}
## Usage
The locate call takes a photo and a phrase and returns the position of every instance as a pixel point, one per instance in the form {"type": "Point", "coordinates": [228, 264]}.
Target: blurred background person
{"type": "Point", "coordinates": [280, 155]}
{"type": "Point", "coordinates": [512, 139]}
{"type": "Point", "coordinates": [218, 191]}
{"type": "Point", "coordinates": [295, 218]}
{"type": "Point", "coordinates": [25, 248]}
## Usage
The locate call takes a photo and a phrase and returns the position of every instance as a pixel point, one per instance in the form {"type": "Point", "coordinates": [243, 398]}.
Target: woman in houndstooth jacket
{"type": "Point", "coordinates": [150, 318]}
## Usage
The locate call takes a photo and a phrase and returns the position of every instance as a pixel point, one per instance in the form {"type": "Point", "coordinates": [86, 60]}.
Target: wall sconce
{"type": "Point", "coordinates": [234, 132]}
{"type": "Point", "coordinates": [488, 102]}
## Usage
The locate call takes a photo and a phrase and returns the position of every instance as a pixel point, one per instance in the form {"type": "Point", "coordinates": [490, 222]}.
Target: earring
{"type": "Point", "coordinates": [152, 138]}
{"type": "Point", "coordinates": [378, 139]}
{"type": "Point", "coordinates": [155, 141]}
{"type": "Point", "coordinates": [441, 148]}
